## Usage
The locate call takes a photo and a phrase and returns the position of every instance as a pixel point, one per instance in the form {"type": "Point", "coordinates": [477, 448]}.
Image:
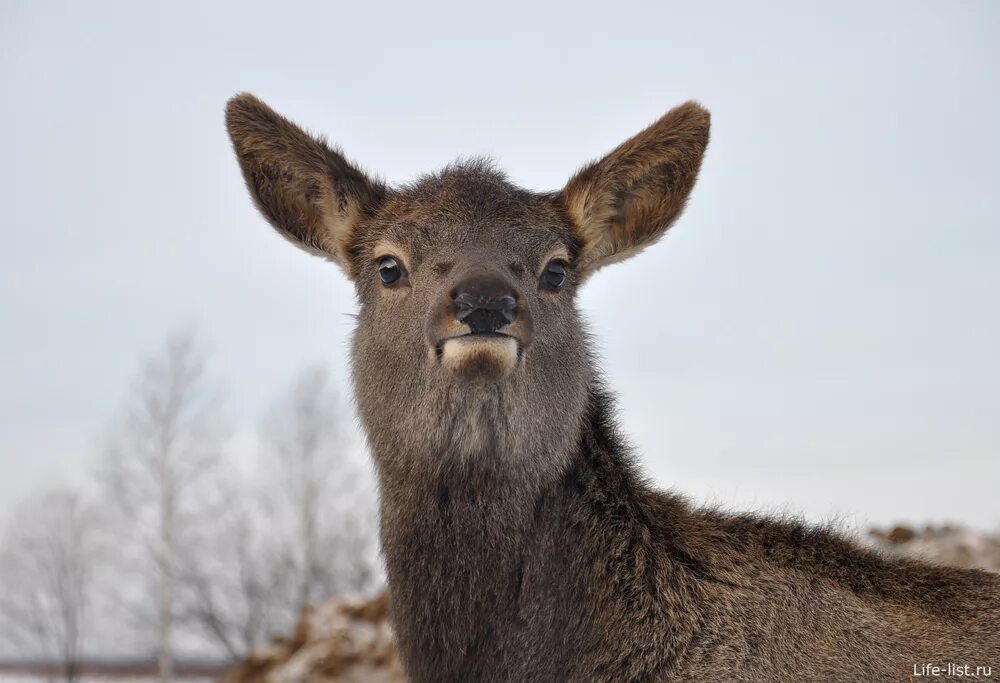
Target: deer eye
{"type": "Point", "coordinates": [554, 275]}
{"type": "Point", "coordinates": [389, 271]}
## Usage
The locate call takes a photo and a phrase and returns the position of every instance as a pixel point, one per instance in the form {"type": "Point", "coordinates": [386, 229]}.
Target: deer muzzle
{"type": "Point", "coordinates": [481, 328]}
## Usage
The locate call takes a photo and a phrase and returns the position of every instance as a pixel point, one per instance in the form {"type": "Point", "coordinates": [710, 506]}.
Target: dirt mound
{"type": "Point", "coordinates": [942, 545]}
{"type": "Point", "coordinates": [344, 640]}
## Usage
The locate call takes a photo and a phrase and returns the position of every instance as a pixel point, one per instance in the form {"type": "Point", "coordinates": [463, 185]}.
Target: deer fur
{"type": "Point", "coordinates": [521, 541]}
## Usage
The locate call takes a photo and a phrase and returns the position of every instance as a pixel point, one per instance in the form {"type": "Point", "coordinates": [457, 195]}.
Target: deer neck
{"type": "Point", "coordinates": [467, 546]}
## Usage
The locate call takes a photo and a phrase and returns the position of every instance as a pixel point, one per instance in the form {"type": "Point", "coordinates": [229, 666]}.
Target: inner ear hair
{"type": "Point", "coordinates": [626, 201]}
{"type": "Point", "coordinates": [306, 189]}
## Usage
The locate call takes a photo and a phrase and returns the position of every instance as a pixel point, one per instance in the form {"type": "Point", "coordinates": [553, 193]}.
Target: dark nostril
{"type": "Point", "coordinates": [508, 305]}
{"type": "Point", "coordinates": [484, 313]}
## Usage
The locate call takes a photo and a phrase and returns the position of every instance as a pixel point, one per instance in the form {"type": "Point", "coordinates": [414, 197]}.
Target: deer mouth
{"type": "Point", "coordinates": [479, 355]}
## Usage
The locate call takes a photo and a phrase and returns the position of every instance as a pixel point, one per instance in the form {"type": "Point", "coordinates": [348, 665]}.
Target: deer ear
{"type": "Point", "coordinates": [626, 201]}
{"type": "Point", "coordinates": [309, 192]}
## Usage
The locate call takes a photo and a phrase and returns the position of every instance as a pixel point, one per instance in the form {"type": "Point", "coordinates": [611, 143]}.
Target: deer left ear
{"type": "Point", "coordinates": [626, 201]}
{"type": "Point", "coordinates": [307, 190]}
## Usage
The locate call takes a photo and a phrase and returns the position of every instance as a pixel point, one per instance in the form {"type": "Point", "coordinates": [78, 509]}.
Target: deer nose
{"type": "Point", "coordinates": [484, 303]}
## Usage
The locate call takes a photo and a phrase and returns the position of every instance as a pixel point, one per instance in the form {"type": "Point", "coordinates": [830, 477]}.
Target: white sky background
{"type": "Point", "coordinates": [820, 333]}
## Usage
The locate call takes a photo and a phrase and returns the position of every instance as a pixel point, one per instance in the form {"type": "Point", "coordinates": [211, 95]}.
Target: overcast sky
{"type": "Point", "coordinates": [819, 334]}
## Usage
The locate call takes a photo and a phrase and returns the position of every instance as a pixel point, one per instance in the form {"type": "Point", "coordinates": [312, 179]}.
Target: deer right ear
{"type": "Point", "coordinates": [626, 201]}
{"type": "Point", "coordinates": [309, 192]}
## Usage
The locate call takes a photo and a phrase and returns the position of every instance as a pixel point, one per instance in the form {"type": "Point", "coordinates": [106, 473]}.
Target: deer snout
{"type": "Point", "coordinates": [484, 303]}
{"type": "Point", "coordinates": [480, 327]}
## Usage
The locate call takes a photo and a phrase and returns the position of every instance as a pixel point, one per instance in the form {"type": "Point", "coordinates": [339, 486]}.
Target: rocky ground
{"type": "Point", "coordinates": [350, 641]}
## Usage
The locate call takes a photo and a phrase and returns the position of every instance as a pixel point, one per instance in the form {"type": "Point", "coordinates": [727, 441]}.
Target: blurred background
{"type": "Point", "coordinates": [181, 470]}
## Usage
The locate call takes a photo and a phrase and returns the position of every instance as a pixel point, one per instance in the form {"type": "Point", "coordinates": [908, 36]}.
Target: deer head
{"type": "Point", "coordinates": [469, 346]}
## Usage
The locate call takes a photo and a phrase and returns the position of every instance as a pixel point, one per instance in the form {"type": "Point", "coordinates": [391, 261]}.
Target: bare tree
{"type": "Point", "coordinates": [235, 562]}
{"type": "Point", "coordinates": [235, 589]}
{"type": "Point", "coordinates": [323, 490]}
{"type": "Point", "coordinates": [47, 566]}
{"type": "Point", "coordinates": [155, 471]}
{"type": "Point", "coordinates": [246, 583]}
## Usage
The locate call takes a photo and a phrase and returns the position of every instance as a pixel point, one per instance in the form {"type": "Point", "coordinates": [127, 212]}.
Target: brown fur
{"type": "Point", "coordinates": [521, 542]}
{"type": "Point", "coordinates": [627, 200]}
{"type": "Point", "coordinates": [308, 191]}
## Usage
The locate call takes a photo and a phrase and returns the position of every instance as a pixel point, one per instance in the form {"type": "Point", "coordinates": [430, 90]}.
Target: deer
{"type": "Point", "coordinates": [521, 541]}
